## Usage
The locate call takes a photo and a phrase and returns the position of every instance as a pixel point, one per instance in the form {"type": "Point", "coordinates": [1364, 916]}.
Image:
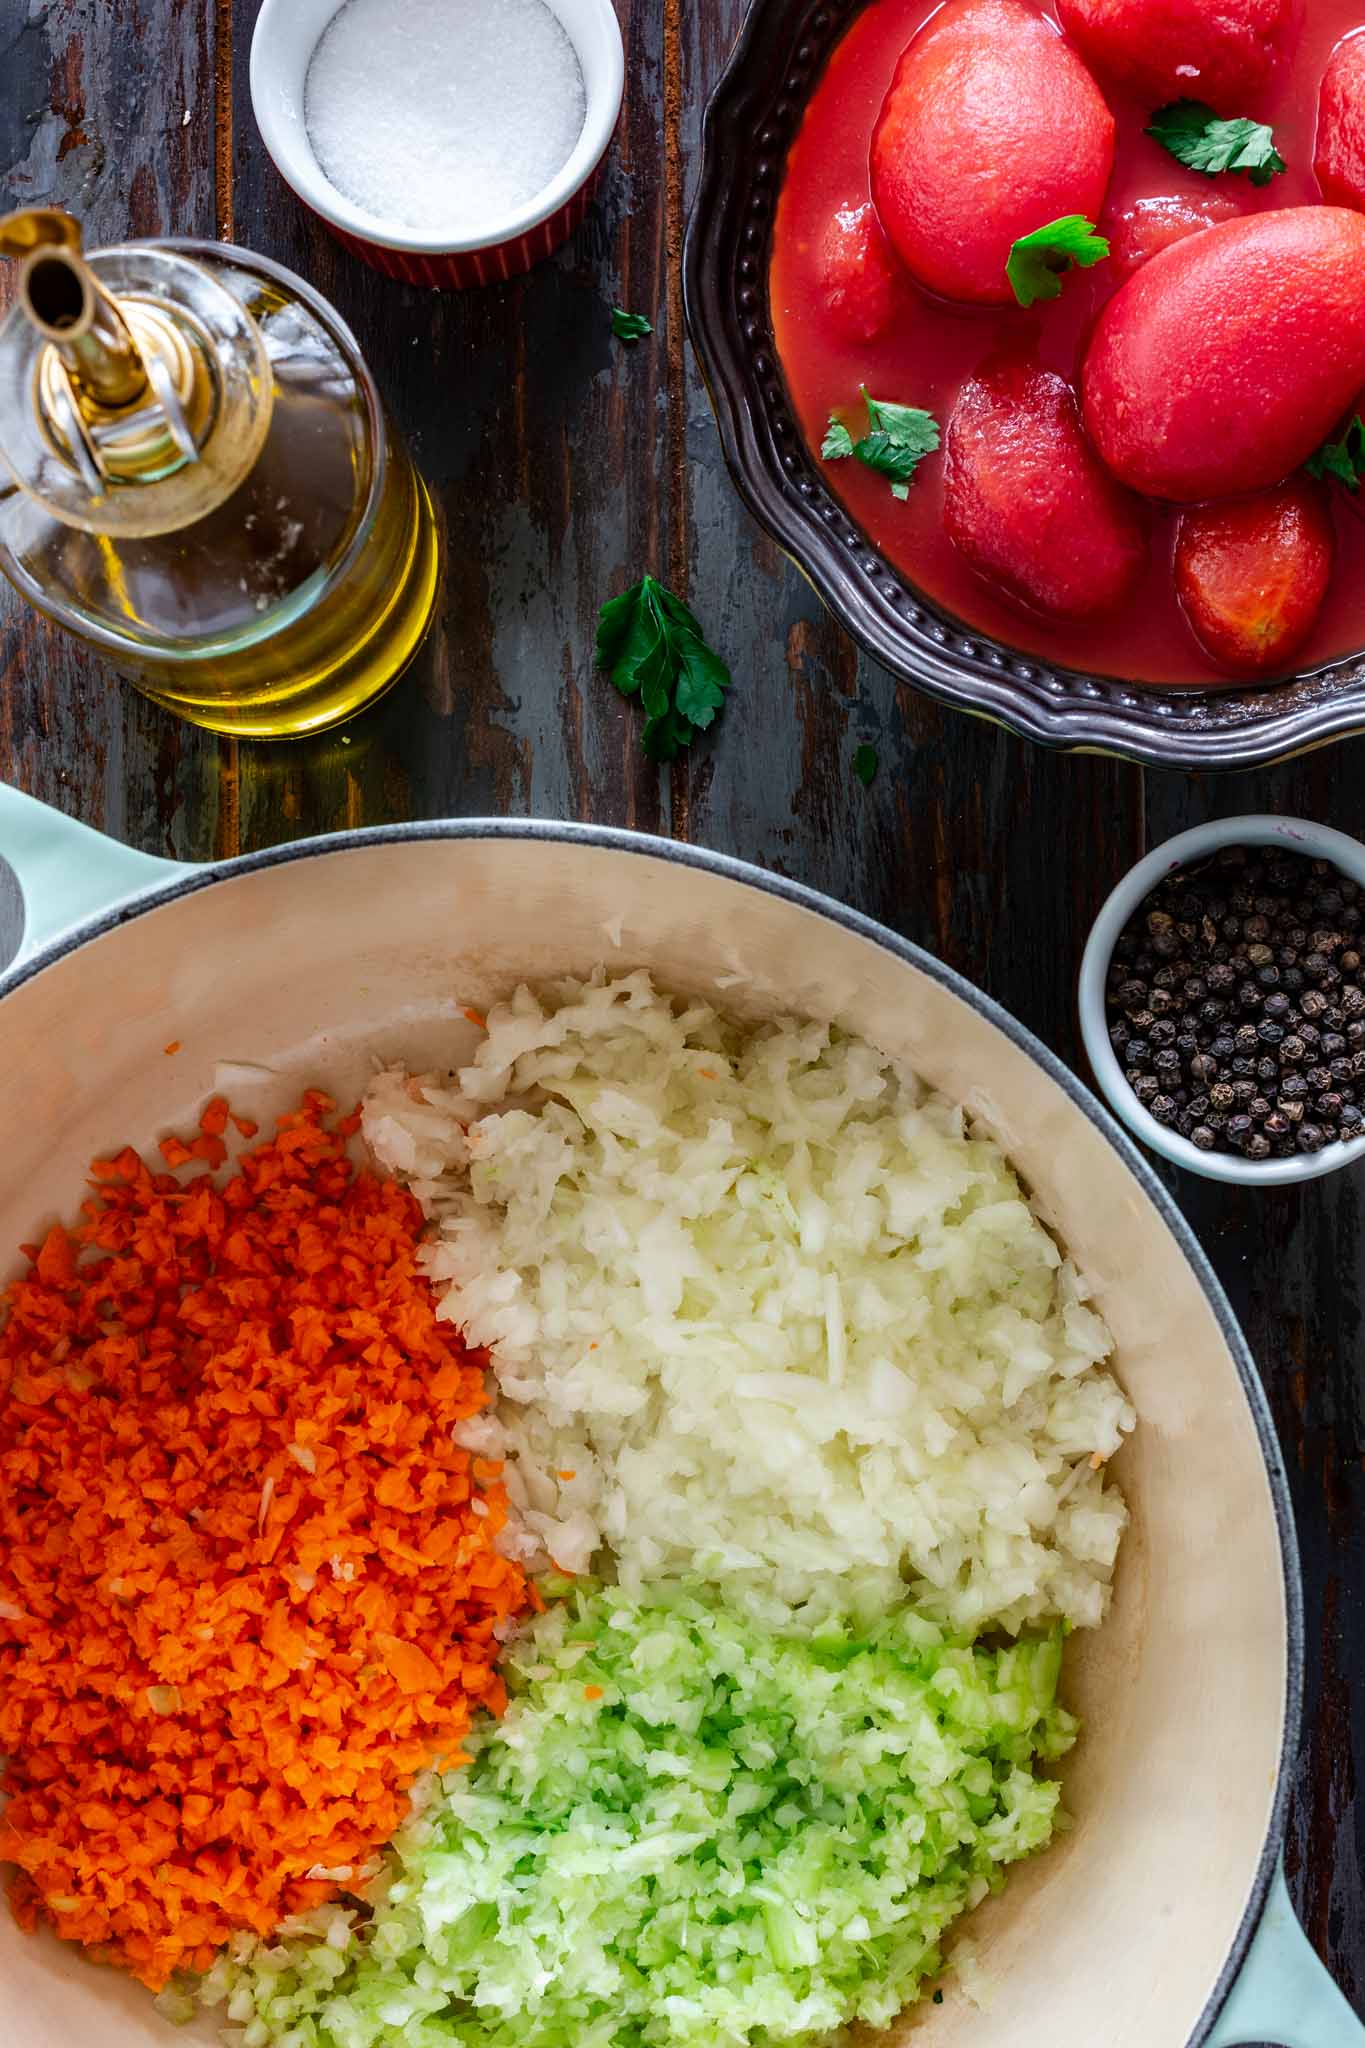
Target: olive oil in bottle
{"type": "Point", "coordinates": [206, 485]}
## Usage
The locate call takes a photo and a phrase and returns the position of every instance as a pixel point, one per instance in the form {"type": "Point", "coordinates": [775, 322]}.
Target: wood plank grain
{"type": "Point", "coordinates": [108, 111]}
{"type": "Point", "coordinates": [546, 448]}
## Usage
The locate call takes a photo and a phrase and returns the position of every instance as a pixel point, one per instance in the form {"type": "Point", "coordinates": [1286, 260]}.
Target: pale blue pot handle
{"type": "Point", "coordinates": [67, 872]}
{"type": "Point", "coordinates": [1284, 1994]}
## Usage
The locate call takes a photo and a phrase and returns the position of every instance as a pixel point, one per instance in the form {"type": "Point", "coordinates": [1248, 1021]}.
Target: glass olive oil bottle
{"type": "Point", "coordinates": [205, 484]}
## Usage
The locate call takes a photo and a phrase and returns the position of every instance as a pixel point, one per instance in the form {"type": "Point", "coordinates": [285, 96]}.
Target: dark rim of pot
{"type": "Point", "coordinates": [750, 122]}
{"type": "Point", "coordinates": [613, 839]}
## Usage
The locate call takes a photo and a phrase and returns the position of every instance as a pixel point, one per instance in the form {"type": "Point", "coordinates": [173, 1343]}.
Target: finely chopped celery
{"type": "Point", "coordinates": [686, 1830]}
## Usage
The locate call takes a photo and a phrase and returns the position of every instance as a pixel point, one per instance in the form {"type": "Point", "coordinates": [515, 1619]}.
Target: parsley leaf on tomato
{"type": "Point", "coordinates": [1196, 137]}
{"type": "Point", "coordinates": [1038, 262]}
{"type": "Point", "coordinates": [1343, 459]}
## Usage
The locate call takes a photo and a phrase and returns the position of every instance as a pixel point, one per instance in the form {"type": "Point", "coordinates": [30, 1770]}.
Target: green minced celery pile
{"type": "Point", "coordinates": [686, 1830]}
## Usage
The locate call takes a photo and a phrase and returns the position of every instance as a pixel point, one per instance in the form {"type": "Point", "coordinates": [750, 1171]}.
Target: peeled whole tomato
{"type": "Point", "coordinates": [1229, 358]}
{"type": "Point", "coordinates": [1340, 156]}
{"type": "Point", "coordinates": [863, 284]}
{"type": "Point", "coordinates": [1251, 574]}
{"type": "Point", "coordinates": [1148, 226]}
{"type": "Point", "coordinates": [1026, 502]}
{"type": "Point", "coordinates": [992, 128]}
{"type": "Point", "coordinates": [1221, 51]}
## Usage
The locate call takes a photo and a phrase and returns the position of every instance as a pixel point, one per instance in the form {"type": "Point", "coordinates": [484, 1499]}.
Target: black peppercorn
{"type": "Point", "coordinates": [1236, 1003]}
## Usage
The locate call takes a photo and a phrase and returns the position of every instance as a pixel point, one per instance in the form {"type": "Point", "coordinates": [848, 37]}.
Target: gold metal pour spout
{"type": "Point", "coordinates": [122, 390]}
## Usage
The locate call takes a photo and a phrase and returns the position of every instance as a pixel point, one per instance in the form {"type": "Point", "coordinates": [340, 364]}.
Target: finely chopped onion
{"type": "Point", "coordinates": [763, 1311]}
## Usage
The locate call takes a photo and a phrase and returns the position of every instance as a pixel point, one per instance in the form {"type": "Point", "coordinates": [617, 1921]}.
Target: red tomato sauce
{"type": "Point", "coordinates": [926, 355]}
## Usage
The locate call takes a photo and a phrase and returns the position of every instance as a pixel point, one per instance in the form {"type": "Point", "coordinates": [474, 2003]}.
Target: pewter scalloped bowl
{"type": "Point", "coordinates": [751, 121]}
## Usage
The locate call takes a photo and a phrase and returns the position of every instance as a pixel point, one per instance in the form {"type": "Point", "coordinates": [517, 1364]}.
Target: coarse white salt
{"type": "Point", "coordinates": [444, 116]}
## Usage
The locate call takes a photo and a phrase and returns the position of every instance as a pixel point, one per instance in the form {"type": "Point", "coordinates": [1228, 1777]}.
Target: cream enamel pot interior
{"type": "Point", "coordinates": [1161, 1920]}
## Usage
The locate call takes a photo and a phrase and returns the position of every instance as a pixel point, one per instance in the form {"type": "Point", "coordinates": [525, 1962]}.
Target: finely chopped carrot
{"type": "Point", "coordinates": [245, 1594]}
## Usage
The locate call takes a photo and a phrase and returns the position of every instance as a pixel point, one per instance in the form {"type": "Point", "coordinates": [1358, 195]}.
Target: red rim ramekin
{"type": "Point", "coordinates": [287, 33]}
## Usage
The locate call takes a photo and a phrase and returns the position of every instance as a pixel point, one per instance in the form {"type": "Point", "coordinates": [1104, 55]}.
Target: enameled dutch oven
{"type": "Point", "coordinates": [1161, 1920]}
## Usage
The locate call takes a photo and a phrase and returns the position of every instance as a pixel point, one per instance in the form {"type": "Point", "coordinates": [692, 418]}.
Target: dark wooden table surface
{"type": "Point", "coordinates": [565, 465]}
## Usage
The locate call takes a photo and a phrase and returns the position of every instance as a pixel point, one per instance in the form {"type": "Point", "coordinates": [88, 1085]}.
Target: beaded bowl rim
{"type": "Point", "coordinates": [1296, 835]}
{"type": "Point", "coordinates": [749, 124]}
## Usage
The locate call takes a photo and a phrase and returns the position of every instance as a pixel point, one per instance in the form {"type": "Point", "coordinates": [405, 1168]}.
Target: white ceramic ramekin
{"type": "Point", "coordinates": [287, 33]}
{"type": "Point", "coordinates": [1297, 835]}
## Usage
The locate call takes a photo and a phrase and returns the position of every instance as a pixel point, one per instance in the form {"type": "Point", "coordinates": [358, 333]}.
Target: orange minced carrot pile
{"type": "Point", "coordinates": [248, 1582]}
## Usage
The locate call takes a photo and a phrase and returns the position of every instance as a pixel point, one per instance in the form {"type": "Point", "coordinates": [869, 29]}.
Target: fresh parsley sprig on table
{"type": "Point", "coordinates": [865, 764]}
{"type": "Point", "coordinates": [1038, 262]}
{"type": "Point", "coordinates": [1343, 459]}
{"type": "Point", "coordinates": [629, 326]}
{"type": "Point", "coordinates": [651, 647]}
{"type": "Point", "coordinates": [897, 440]}
{"type": "Point", "coordinates": [1196, 137]}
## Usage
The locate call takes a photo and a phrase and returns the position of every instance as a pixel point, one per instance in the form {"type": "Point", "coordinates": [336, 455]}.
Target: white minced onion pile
{"type": "Point", "coordinates": [762, 1310]}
